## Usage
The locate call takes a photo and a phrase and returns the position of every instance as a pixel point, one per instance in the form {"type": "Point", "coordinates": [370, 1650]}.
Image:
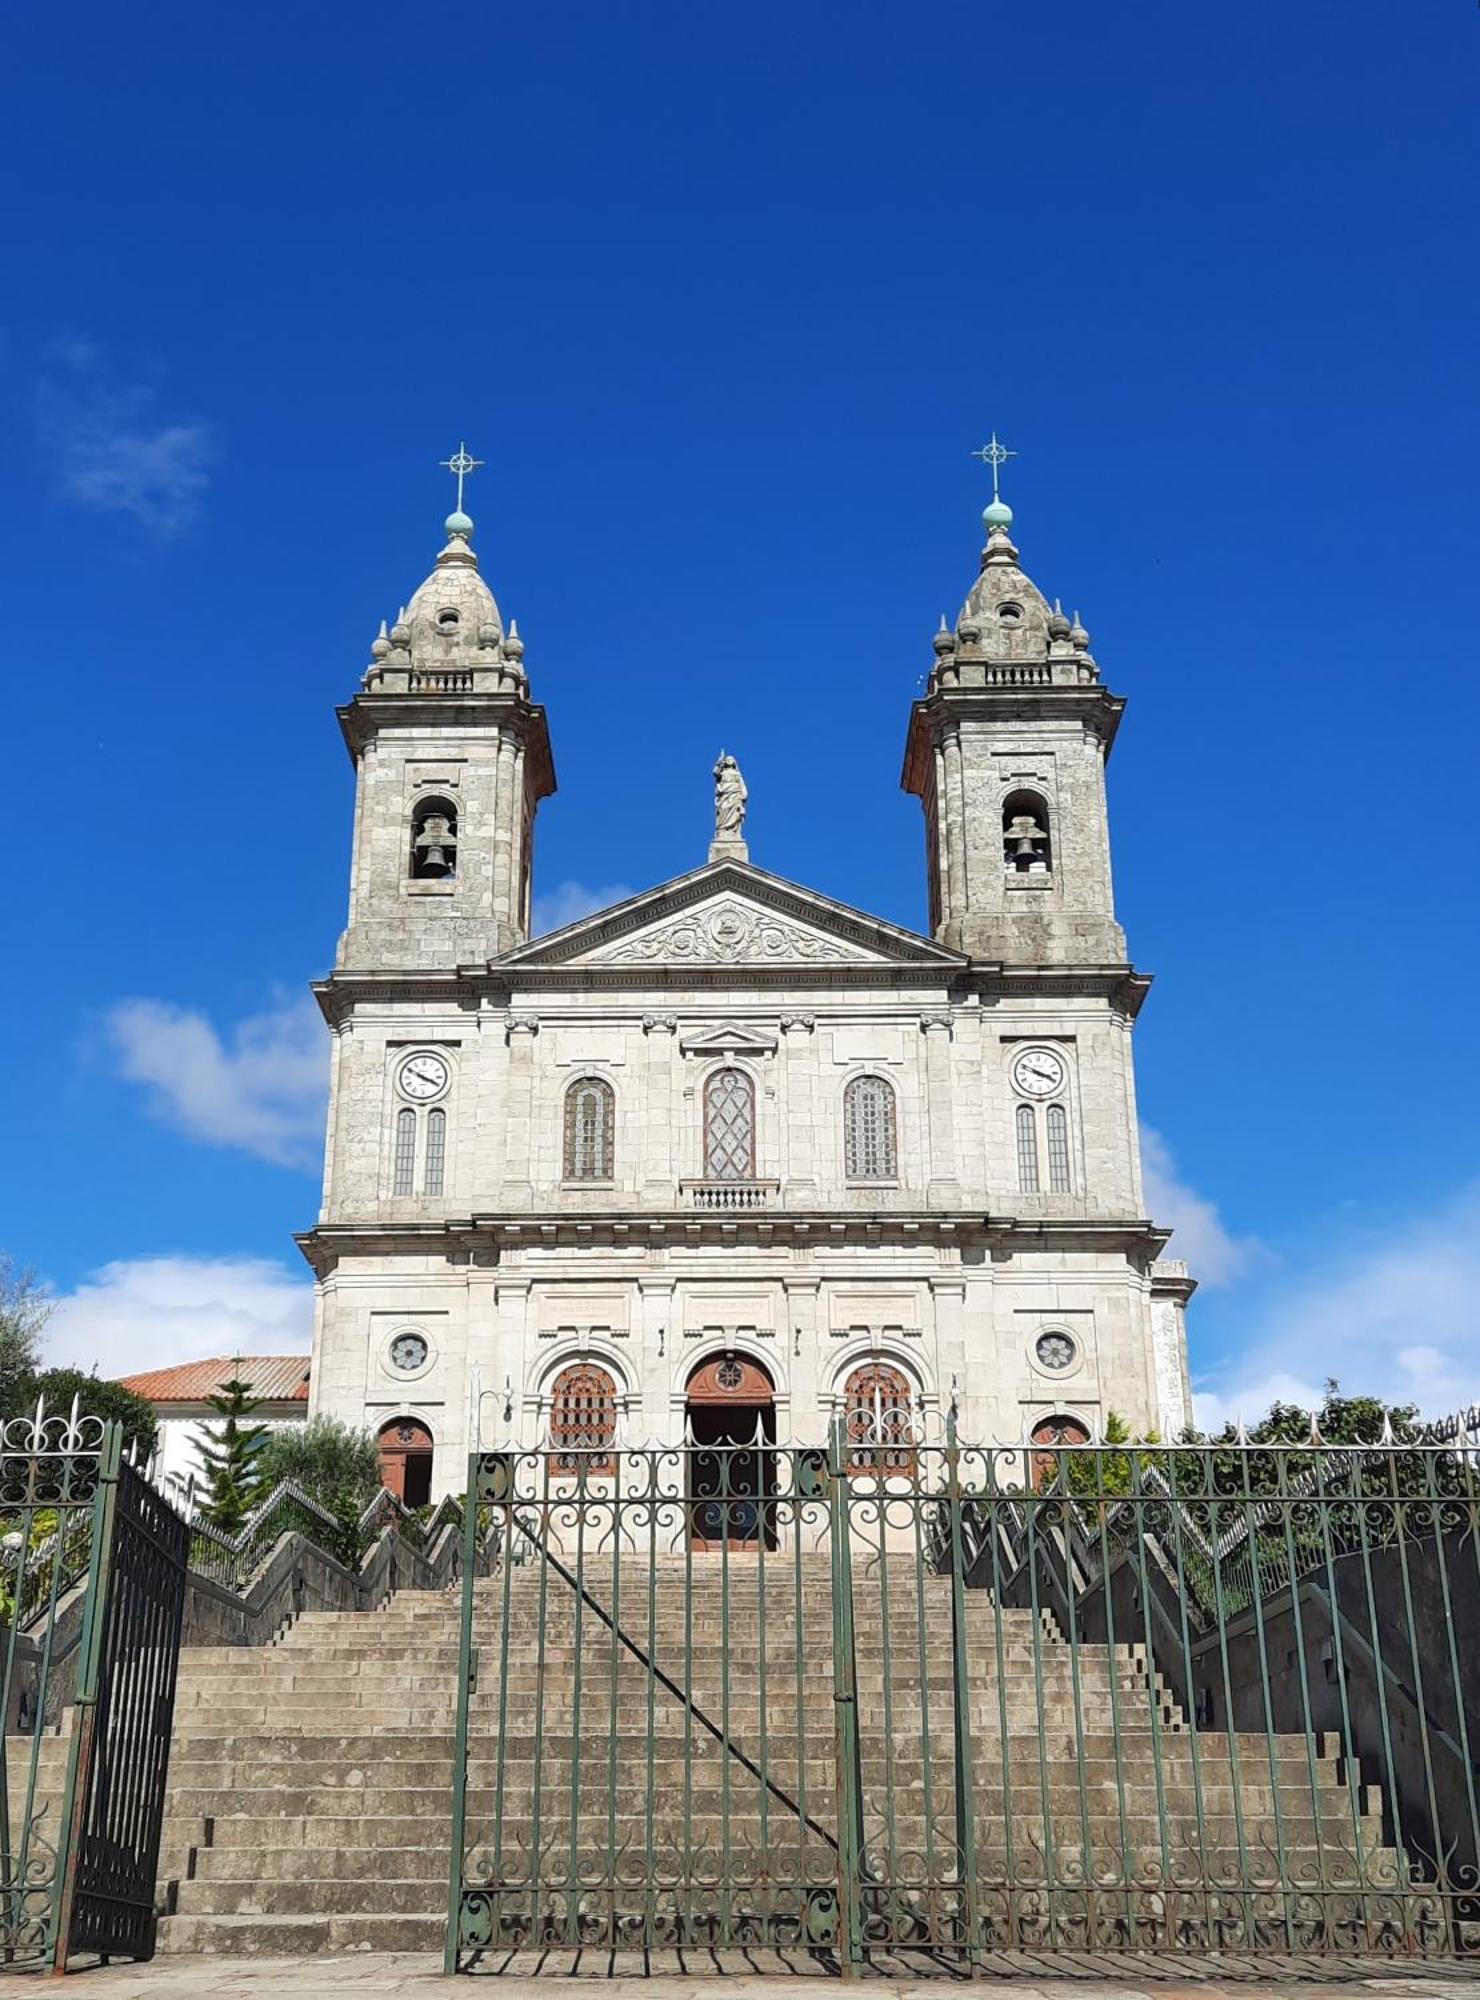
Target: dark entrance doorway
{"type": "Point", "coordinates": [406, 1461]}
{"type": "Point", "coordinates": [731, 1467]}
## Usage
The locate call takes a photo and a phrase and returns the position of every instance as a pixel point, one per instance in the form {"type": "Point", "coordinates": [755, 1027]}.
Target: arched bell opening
{"type": "Point", "coordinates": [730, 1405]}
{"type": "Point", "coordinates": [406, 1460]}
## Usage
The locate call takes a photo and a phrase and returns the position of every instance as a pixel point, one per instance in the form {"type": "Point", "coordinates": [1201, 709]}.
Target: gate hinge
{"type": "Point", "coordinates": [472, 1670]}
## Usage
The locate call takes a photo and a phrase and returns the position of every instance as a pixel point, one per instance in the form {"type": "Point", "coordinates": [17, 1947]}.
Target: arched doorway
{"type": "Point", "coordinates": [731, 1410]}
{"type": "Point", "coordinates": [1051, 1432]}
{"type": "Point", "coordinates": [406, 1460]}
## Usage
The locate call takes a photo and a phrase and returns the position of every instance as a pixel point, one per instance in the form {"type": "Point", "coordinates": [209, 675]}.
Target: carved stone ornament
{"type": "Point", "coordinates": [666, 1024]}
{"type": "Point", "coordinates": [802, 1023]}
{"type": "Point", "coordinates": [522, 1024]}
{"type": "Point", "coordinates": [727, 932]}
{"type": "Point", "coordinates": [929, 1021]}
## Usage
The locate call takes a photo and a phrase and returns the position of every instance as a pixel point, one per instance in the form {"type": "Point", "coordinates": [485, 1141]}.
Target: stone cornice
{"type": "Point", "coordinates": [362, 719]}
{"type": "Point", "coordinates": [467, 987]}
{"type": "Point", "coordinates": [485, 1237]}
{"type": "Point", "coordinates": [1092, 705]}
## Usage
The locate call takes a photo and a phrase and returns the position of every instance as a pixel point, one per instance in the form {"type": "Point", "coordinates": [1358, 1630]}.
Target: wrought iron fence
{"type": "Point", "coordinates": [92, 1572]}
{"type": "Point", "coordinates": [857, 1700]}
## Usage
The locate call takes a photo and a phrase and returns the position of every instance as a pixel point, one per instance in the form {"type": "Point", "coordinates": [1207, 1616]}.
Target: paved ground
{"type": "Point", "coordinates": [739, 1976]}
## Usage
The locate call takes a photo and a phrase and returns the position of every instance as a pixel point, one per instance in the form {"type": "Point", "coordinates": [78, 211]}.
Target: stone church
{"type": "Point", "coordinates": [730, 1157]}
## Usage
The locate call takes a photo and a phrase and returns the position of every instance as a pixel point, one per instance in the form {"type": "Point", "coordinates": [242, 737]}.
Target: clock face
{"type": "Point", "coordinates": [423, 1076]}
{"type": "Point", "coordinates": [408, 1352]}
{"type": "Point", "coordinates": [1054, 1350]}
{"type": "Point", "coordinates": [1038, 1073]}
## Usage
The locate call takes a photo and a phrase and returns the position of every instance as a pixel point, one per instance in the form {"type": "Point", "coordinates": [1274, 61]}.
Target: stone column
{"type": "Point", "coordinates": [505, 804]}
{"type": "Point", "coordinates": [508, 1361]}
{"type": "Point", "coordinates": [798, 1164]}
{"type": "Point", "coordinates": [659, 1171]}
{"type": "Point", "coordinates": [520, 1032]}
{"type": "Point", "coordinates": [804, 1337]}
{"type": "Point", "coordinates": [956, 829]}
{"type": "Point", "coordinates": [657, 1341]}
{"type": "Point", "coordinates": [944, 1190]}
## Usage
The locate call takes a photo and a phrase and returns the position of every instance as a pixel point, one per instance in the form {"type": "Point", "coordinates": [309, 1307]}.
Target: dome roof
{"type": "Point", "coordinates": [453, 610]}
{"type": "Point", "coordinates": [1009, 610]}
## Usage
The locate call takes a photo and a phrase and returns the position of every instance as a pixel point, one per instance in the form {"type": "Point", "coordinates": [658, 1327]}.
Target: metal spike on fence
{"type": "Point", "coordinates": [1387, 1428]}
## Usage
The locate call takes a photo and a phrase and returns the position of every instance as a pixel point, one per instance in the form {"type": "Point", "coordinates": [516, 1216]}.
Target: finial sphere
{"type": "Point", "coordinates": [458, 523]}
{"type": "Point", "coordinates": [996, 514]}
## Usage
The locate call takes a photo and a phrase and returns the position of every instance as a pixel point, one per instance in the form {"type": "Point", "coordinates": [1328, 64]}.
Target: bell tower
{"type": "Point", "coordinates": [1006, 753]}
{"type": "Point", "coordinates": [451, 760]}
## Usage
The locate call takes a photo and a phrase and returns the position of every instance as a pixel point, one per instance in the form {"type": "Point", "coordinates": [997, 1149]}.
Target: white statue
{"type": "Point", "coordinates": [729, 799]}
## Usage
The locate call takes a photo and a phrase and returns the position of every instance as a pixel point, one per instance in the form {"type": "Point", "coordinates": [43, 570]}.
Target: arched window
{"type": "Point", "coordinates": [1027, 847]}
{"type": "Point", "coordinates": [583, 1418]}
{"type": "Point", "coordinates": [433, 840]}
{"type": "Point", "coordinates": [1027, 1149]}
{"type": "Point", "coordinates": [878, 1410]}
{"type": "Point", "coordinates": [590, 1124]}
{"type": "Point", "coordinates": [403, 1170]}
{"type": "Point", "coordinates": [1059, 1181]}
{"type": "Point", "coordinates": [1049, 1469]}
{"type": "Point", "coordinates": [729, 1126]}
{"type": "Point", "coordinates": [869, 1149]}
{"type": "Point", "coordinates": [436, 1161]}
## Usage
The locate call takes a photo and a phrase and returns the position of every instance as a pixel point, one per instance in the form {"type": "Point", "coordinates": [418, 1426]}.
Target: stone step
{"type": "Point", "coordinates": [305, 1937]}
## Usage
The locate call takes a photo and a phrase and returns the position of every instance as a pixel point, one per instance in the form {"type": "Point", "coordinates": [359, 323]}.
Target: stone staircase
{"type": "Point", "coordinates": [311, 1782]}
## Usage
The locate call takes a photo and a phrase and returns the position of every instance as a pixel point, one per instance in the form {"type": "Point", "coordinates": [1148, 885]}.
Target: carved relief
{"type": "Point", "coordinates": [726, 932]}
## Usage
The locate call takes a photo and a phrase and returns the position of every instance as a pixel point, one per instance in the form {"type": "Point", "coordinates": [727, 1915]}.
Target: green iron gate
{"type": "Point", "coordinates": [92, 1591]}
{"type": "Point", "coordinates": [899, 1694]}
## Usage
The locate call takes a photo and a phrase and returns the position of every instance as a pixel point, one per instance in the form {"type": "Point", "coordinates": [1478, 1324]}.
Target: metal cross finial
{"type": "Point", "coordinates": [996, 455]}
{"type": "Point", "coordinates": [462, 463]}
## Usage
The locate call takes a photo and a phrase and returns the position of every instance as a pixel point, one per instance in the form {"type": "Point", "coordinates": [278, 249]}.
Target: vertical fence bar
{"type": "Point", "coordinates": [847, 1788]}
{"type": "Point", "coordinates": [965, 1759]}
{"type": "Point", "coordinates": [465, 1672]}
{"type": "Point", "coordinates": [85, 1718]}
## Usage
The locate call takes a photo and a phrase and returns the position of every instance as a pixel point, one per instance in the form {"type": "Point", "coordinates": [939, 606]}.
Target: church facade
{"type": "Point", "coordinates": [731, 1158]}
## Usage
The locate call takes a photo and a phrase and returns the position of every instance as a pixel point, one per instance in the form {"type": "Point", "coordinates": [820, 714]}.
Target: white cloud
{"type": "Point", "coordinates": [1215, 1256]}
{"type": "Point", "coordinates": [1396, 1317]}
{"type": "Point", "coordinates": [572, 901]}
{"type": "Point", "coordinates": [263, 1089]}
{"type": "Point", "coordinates": [109, 447]}
{"type": "Point", "coordinates": [151, 1312]}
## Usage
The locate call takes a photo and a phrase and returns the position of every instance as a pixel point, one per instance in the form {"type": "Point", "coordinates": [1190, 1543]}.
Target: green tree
{"type": "Point", "coordinates": [230, 1454]}
{"type": "Point", "coordinates": [335, 1464]}
{"type": "Point", "coordinates": [331, 1461]}
{"type": "Point", "coordinates": [98, 1398]}
{"type": "Point", "coordinates": [25, 1307]}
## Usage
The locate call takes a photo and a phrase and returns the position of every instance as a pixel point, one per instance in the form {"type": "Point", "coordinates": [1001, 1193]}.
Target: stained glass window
{"type": "Point", "coordinates": [868, 1130]}
{"type": "Point", "coordinates": [590, 1121]}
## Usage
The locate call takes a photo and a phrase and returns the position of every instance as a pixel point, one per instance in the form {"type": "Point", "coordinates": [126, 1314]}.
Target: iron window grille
{"type": "Point", "coordinates": [729, 1126]}
{"type": "Point", "coordinates": [878, 1409]}
{"type": "Point", "coordinates": [583, 1418]}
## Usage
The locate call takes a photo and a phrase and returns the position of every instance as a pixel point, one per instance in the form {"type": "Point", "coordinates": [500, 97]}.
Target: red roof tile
{"type": "Point", "coordinates": [274, 1378]}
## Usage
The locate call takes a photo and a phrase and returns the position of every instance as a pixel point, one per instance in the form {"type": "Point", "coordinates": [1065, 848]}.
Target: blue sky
{"type": "Point", "coordinates": [726, 297]}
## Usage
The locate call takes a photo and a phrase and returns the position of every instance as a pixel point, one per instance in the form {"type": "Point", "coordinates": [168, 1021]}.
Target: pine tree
{"type": "Point", "coordinates": [229, 1453]}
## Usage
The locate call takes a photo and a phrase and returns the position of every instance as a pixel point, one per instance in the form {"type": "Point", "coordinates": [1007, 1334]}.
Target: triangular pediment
{"type": "Point", "coordinates": [730, 913]}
